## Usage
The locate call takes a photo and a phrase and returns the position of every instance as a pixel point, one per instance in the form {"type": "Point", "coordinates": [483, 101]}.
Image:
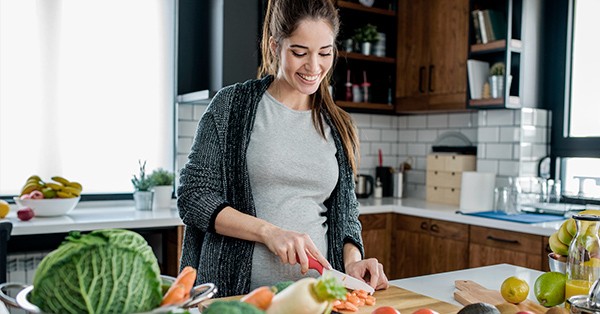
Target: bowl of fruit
{"type": "Point", "coordinates": [47, 198]}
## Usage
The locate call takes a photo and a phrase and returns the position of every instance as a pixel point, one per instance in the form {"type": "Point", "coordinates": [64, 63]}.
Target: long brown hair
{"type": "Point", "coordinates": [281, 20]}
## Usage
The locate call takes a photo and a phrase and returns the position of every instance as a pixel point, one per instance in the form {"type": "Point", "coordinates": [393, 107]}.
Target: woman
{"type": "Point", "coordinates": [269, 179]}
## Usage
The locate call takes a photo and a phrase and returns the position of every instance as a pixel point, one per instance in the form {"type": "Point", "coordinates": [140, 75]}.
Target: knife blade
{"type": "Point", "coordinates": [346, 280]}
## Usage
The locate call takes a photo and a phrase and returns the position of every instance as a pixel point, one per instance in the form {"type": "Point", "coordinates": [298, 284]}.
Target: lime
{"type": "Point", "coordinates": [549, 288]}
{"type": "Point", "coordinates": [514, 290]}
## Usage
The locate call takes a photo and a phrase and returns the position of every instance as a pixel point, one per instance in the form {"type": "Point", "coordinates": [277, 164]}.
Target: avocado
{"type": "Point", "coordinates": [479, 308]}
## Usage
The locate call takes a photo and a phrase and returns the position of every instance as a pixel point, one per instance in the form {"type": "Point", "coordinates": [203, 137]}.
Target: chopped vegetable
{"type": "Point", "coordinates": [260, 297]}
{"type": "Point", "coordinates": [105, 271]}
{"type": "Point", "coordinates": [180, 289]}
{"type": "Point", "coordinates": [282, 285]}
{"type": "Point", "coordinates": [308, 296]}
{"type": "Point", "coordinates": [354, 300]}
{"type": "Point", "coordinates": [231, 307]}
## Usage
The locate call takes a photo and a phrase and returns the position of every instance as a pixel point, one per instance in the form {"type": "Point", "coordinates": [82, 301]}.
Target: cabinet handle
{"type": "Point", "coordinates": [502, 240]}
{"type": "Point", "coordinates": [421, 74]}
{"type": "Point", "coordinates": [548, 249]}
{"type": "Point", "coordinates": [424, 225]}
{"type": "Point", "coordinates": [435, 228]}
{"type": "Point", "coordinates": [430, 79]}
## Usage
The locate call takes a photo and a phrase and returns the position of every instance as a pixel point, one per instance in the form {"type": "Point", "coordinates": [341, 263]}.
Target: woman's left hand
{"type": "Point", "coordinates": [369, 270]}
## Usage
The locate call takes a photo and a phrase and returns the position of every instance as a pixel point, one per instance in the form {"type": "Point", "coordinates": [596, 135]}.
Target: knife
{"type": "Point", "coordinates": [346, 280]}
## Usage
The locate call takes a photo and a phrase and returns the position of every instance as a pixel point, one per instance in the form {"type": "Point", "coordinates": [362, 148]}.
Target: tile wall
{"type": "Point", "coordinates": [509, 142]}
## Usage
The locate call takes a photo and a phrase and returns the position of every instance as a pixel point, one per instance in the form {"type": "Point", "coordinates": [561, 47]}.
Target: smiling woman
{"type": "Point", "coordinates": [86, 93]}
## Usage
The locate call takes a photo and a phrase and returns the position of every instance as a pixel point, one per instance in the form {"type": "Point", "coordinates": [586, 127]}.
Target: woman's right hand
{"type": "Point", "coordinates": [292, 247]}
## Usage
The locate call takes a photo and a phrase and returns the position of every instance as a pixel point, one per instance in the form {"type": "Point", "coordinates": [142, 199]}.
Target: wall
{"type": "Point", "coordinates": [509, 142]}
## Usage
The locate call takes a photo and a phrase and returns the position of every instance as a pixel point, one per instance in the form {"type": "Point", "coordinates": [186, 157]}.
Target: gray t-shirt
{"type": "Point", "coordinates": [292, 170]}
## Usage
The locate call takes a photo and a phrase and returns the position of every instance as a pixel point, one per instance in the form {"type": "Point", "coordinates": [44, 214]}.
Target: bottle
{"type": "Point", "coordinates": [378, 189]}
{"type": "Point", "coordinates": [583, 261]}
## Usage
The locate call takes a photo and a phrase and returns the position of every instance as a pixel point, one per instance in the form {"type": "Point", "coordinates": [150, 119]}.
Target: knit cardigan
{"type": "Point", "coordinates": [216, 176]}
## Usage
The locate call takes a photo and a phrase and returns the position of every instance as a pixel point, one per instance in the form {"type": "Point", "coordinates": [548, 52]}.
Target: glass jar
{"type": "Point", "coordinates": [583, 261]}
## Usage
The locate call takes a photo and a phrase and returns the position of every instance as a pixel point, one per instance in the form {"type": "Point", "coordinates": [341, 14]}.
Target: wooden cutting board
{"type": "Point", "coordinates": [468, 292]}
{"type": "Point", "coordinates": [403, 300]}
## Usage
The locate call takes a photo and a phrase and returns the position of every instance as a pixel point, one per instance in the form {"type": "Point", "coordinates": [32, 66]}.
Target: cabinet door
{"type": "Point", "coordinates": [412, 55]}
{"type": "Point", "coordinates": [493, 246]}
{"type": "Point", "coordinates": [448, 44]}
{"type": "Point", "coordinates": [412, 245]}
{"type": "Point", "coordinates": [376, 234]}
{"type": "Point", "coordinates": [449, 246]}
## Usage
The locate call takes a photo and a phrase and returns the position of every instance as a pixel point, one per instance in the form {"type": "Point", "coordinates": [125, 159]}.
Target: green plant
{"type": "Point", "coordinates": [142, 183]}
{"type": "Point", "coordinates": [104, 271]}
{"type": "Point", "coordinates": [497, 68]}
{"type": "Point", "coordinates": [161, 176]}
{"type": "Point", "coordinates": [366, 33]}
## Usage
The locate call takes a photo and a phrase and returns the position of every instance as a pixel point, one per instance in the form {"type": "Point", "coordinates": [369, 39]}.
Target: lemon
{"type": "Point", "coordinates": [514, 290]}
{"type": "Point", "coordinates": [549, 288]}
{"type": "Point", "coordinates": [4, 208]}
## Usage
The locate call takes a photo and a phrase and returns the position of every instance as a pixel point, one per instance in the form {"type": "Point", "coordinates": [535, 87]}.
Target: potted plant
{"type": "Point", "coordinates": [142, 184]}
{"type": "Point", "coordinates": [496, 79]}
{"type": "Point", "coordinates": [162, 185]}
{"type": "Point", "coordinates": [365, 36]}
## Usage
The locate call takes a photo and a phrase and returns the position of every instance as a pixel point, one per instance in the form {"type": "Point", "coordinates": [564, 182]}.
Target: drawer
{"type": "Point", "coordinates": [451, 162]}
{"type": "Point", "coordinates": [447, 179]}
{"type": "Point", "coordinates": [502, 239]}
{"type": "Point", "coordinates": [437, 194]}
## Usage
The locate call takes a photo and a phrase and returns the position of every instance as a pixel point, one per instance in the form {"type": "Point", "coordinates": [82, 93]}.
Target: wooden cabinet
{"type": "Point", "coordinates": [353, 66]}
{"type": "Point", "coordinates": [493, 246]}
{"type": "Point", "coordinates": [376, 234]}
{"type": "Point", "coordinates": [424, 246]}
{"type": "Point", "coordinates": [431, 57]}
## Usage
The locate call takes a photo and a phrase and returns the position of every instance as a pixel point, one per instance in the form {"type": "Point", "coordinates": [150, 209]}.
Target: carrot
{"type": "Point", "coordinates": [351, 307]}
{"type": "Point", "coordinates": [260, 297]}
{"type": "Point", "coordinates": [180, 289]}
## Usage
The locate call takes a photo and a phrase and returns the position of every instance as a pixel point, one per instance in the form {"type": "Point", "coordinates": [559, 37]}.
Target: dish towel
{"type": "Point", "coordinates": [522, 218]}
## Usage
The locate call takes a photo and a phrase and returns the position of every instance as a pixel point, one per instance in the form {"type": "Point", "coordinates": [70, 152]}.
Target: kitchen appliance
{"type": "Point", "coordinates": [385, 175]}
{"type": "Point", "coordinates": [347, 280]}
{"type": "Point", "coordinates": [364, 185]}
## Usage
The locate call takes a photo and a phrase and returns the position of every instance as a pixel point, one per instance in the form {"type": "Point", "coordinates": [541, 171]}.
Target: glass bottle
{"type": "Point", "coordinates": [583, 261]}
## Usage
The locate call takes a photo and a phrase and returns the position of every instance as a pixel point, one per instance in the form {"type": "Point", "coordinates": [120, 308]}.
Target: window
{"type": "Point", "coordinates": [576, 109]}
{"type": "Point", "coordinates": [86, 90]}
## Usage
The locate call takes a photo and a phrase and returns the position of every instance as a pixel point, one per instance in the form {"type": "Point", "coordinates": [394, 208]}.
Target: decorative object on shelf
{"type": "Point", "coordinates": [367, 3]}
{"type": "Point", "coordinates": [348, 87]}
{"type": "Point", "coordinates": [348, 45]}
{"type": "Point", "coordinates": [366, 36]}
{"type": "Point", "coordinates": [356, 93]}
{"type": "Point", "coordinates": [142, 184]}
{"type": "Point", "coordinates": [366, 86]}
{"type": "Point", "coordinates": [162, 185]}
{"type": "Point", "coordinates": [496, 80]}
{"type": "Point", "coordinates": [379, 48]}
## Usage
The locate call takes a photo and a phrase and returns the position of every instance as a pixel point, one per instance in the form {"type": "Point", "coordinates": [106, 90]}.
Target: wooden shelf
{"type": "Point", "coordinates": [360, 7]}
{"type": "Point", "coordinates": [513, 102]}
{"type": "Point", "coordinates": [496, 46]}
{"type": "Point", "coordinates": [360, 56]}
{"type": "Point", "coordinates": [364, 105]}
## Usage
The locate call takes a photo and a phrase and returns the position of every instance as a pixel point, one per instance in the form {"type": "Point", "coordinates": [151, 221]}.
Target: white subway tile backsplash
{"type": "Point", "coordinates": [185, 112]}
{"type": "Point", "coordinates": [487, 165]}
{"type": "Point", "coordinates": [527, 116]}
{"type": "Point", "coordinates": [509, 134]}
{"type": "Point", "coordinates": [516, 151]}
{"type": "Point", "coordinates": [539, 151]}
{"type": "Point", "coordinates": [402, 122]}
{"type": "Point", "coordinates": [184, 144]}
{"type": "Point", "coordinates": [187, 128]}
{"type": "Point", "coordinates": [471, 134]}
{"type": "Point", "coordinates": [368, 162]}
{"type": "Point", "coordinates": [481, 151]}
{"type": "Point", "coordinates": [199, 111]}
{"type": "Point", "coordinates": [540, 117]}
{"type": "Point", "coordinates": [417, 149]}
{"type": "Point", "coordinates": [528, 169]}
{"type": "Point", "coordinates": [381, 122]}
{"type": "Point", "coordinates": [437, 121]}
{"type": "Point", "coordinates": [528, 134]}
{"type": "Point", "coordinates": [365, 149]}
{"type": "Point", "coordinates": [460, 120]}
{"type": "Point", "coordinates": [385, 149]}
{"type": "Point", "coordinates": [420, 163]}
{"type": "Point", "coordinates": [488, 134]}
{"type": "Point", "coordinates": [389, 135]}
{"type": "Point", "coordinates": [525, 151]}
{"type": "Point", "coordinates": [361, 120]}
{"type": "Point", "coordinates": [407, 136]}
{"type": "Point", "coordinates": [499, 151]}
{"type": "Point", "coordinates": [427, 136]}
{"type": "Point", "coordinates": [500, 117]}
{"type": "Point", "coordinates": [402, 149]}
{"type": "Point", "coordinates": [415, 176]}
{"type": "Point", "coordinates": [417, 122]}
{"type": "Point", "coordinates": [482, 118]}
{"type": "Point", "coordinates": [508, 168]}
{"type": "Point", "coordinates": [372, 135]}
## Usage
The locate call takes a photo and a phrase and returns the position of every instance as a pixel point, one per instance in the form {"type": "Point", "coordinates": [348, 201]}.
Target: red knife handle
{"type": "Point", "coordinates": [314, 264]}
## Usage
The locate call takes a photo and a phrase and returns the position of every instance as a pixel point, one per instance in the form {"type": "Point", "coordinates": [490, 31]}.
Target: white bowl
{"type": "Point", "coordinates": [48, 207]}
{"type": "Point", "coordinates": [557, 262]}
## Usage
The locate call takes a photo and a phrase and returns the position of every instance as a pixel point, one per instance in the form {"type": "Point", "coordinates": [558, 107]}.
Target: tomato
{"type": "Point", "coordinates": [425, 311]}
{"type": "Point", "coordinates": [385, 310]}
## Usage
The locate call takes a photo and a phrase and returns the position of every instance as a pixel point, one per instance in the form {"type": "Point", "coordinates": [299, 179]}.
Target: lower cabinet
{"type": "Point", "coordinates": [376, 231]}
{"type": "Point", "coordinates": [424, 246]}
{"type": "Point", "coordinates": [493, 246]}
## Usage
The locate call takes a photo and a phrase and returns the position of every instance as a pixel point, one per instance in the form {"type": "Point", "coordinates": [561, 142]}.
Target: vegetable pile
{"type": "Point", "coordinates": [105, 271]}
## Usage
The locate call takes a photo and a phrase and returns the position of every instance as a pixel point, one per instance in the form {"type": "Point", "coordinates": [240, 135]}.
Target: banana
{"type": "Point", "coordinates": [563, 235]}
{"type": "Point", "coordinates": [30, 187]}
{"type": "Point", "coordinates": [571, 226]}
{"type": "Point", "coordinates": [55, 186]}
{"type": "Point", "coordinates": [63, 194]}
{"type": "Point", "coordinates": [558, 247]}
{"type": "Point", "coordinates": [34, 177]}
{"type": "Point", "coordinates": [76, 185]}
{"type": "Point", "coordinates": [61, 180]}
{"type": "Point", "coordinates": [71, 190]}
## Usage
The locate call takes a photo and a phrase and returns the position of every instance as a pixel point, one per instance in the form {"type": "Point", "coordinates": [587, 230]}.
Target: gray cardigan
{"type": "Point", "coordinates": [216, 176]}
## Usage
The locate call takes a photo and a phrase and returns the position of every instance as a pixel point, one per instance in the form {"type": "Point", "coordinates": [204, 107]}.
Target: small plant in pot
{"type": "Point", "coordinates": [142, 184]}
{"type": "Point", "coordinates": [366, 36]}
{"type": "Point", "coordinates": [496, 79]}
{"type": "Point", "coordinates": [162, 184]}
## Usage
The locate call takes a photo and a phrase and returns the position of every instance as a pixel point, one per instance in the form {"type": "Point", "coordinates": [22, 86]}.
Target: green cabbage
{"type": "Point", "coordinates": [105, 271]}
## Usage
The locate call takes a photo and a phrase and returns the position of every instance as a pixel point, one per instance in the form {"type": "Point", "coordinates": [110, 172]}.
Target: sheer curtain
{"type": "Point", "coordinates": [86, 90]}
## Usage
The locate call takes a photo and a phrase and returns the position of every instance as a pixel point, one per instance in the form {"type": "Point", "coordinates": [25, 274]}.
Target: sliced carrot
{"type": "Point", "coordinates": [260, 297]}
{"type": "Point", "coordinates": [352, 299]}
{"type": "Point", "coordinates": [351, 307]}
{"type": "Point", "coordinates": [180, 289]}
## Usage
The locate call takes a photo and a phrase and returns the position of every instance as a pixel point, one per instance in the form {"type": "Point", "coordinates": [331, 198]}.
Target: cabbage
{"type": "Point", "coordinates": [105, 271]}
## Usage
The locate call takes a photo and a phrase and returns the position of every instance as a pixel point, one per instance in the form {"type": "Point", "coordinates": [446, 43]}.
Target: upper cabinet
{"type": "Point", "coordinates": [504, 55]}
{"type": "Point", "coordinates": [433, 41]}
{"type": "Point", "coordinates": [363, 81]}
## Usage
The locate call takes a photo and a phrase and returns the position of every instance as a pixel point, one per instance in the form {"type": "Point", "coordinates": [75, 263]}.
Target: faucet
{"type": "Point", "coordinates": [582, 180]}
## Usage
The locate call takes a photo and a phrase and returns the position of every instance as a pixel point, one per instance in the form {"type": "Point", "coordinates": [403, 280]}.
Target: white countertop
{"type": "Point", "coordinates": [441, 286]}
{"type": "Point", "coordinates": [121, 214]}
